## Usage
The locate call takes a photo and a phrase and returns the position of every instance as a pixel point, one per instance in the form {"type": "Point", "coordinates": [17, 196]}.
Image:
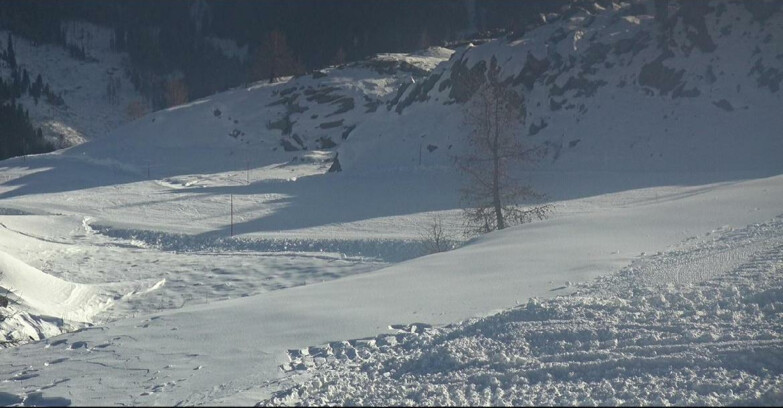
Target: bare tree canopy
{"type": "Point", "coordinates": [495, 117]}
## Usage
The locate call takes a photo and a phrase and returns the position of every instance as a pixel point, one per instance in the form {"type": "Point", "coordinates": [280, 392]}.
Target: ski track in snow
{"type": "Point", "coordinates": [699, 324]}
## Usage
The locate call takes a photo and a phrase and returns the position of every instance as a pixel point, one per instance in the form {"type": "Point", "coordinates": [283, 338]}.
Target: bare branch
{"type": "Point", "coordinates": [495, 116]}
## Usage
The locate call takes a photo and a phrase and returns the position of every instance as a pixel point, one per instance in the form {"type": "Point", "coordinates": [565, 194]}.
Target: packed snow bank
{"type": "Point", "coordinates": [622, 340]}
{"type": "Point", "coordinates": [47, 295]}
{"type": "Point", "coordinates": [40, 305]}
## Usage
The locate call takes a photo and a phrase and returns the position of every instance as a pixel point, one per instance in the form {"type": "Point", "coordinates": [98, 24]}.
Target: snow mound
{"type": "Point", "coordinates": [40, 305]}
{"type": "Point", "coordinates": [49, 296]}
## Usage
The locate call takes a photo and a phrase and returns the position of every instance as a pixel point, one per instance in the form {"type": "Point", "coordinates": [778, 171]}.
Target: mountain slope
{"type": "Point", "coordinates": [95, 94]}
{"type": "Point", "coordinates": [631, 89]}
{"type": "Point", "coordinates": [245, 251]}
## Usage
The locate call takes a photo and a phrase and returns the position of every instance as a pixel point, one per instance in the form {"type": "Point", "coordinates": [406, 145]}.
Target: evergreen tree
{"type": "Point", "coordinates": [37, 88]}
{"type": "Point", "coordinates": [25, 81]}
{"type": "Point", "coordinates": [10, 54]}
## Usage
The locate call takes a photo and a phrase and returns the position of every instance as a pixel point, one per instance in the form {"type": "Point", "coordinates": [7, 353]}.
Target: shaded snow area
{"type": "Point", "coordinates": [89, 110]}
{"type": "Point", "coordinates": [696, 325]}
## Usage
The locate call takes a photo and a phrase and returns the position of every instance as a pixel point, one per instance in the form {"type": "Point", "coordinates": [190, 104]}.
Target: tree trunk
{"type": "Point", "coordinates": [496, 172]}
{"type": "Point", "coordinates": [496, 194]}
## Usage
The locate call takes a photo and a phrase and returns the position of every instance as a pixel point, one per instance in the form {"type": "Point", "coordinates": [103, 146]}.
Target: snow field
{"type": "Point", "coordinates": [637, 178]}
{"type": "Point", "coordinates": [620, 340]}
{"type": "Point", "coordinates": [231, 351]}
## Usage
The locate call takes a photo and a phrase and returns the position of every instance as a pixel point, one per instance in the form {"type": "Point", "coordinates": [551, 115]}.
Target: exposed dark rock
{"type": "Point", "coordinates": [554, 105]}
{"type": "Point", "coordinates": [318, 74]}
{"type": "Point", "coordinates": [709, 75]}
{"type": "Point", "coordinates": [325, 142]}
{"type": "Point", "coordinates": [681, 92]}
{"type": "Point", "coordinates": [287, 91]}
{"type": "Point", "coordinates": [724, 104]}
{"type": "Point", "coordinates": [558, 35]}
{"type": "Point", "coordinates": [335, 167]}
{"type": "Point", "coordinates": [769, 77]}
{"type": "Point", "coordinates": [346, 104]}
{"type": "Point", "coordinates": [658, 76]}
{"type": "Point", "coordinates": [347, 131]}
{"type": "Point", "coordinates": [465, 82]}
{"type": "Point", "coordinates": [693, 14]}
{"type": "Point", "coordinates": [431, 148]}
{"type": "Point", "coordinates": [217, 113]}
{"type": "Point", "coordinates": [419, 92]}
{"type": "Point", "coordinates": [594, 54]}
{"type": "Point", "coordinates": [762, 10]}
{"type": "Point", "coordinates": [295, 108]}
{"type": "Point", "coordinates": [285, 125]}
{"type": "Point", "coordinates": [633, 45]}
{"type": "Point", "coordinates": [323, 95]}
{"type": "Point", "coordinates": [573, 143]}
{"type": "Point", "coordinates": [537, 127]}
{"type": "Point", "coordinates": [391, 67]}
{"type": "Point", "coordinates": [299, 140]}
{"type": "Point", "coordinates": [397, 97]}
{"type": "Point", "coordinates": [329, 125]}
{"type": "Point", "coordinates": [582, 85]}
{"type": "Point", "coordinates": [288, 146]}
{"type": "Point", "coordinates": [532, 71]}
{"type": "Point", "coordinates": [635, 9]}
{"type": "Point", "coordinates": [444, 84]}
{"type": "Point", "coordinates": [371, 104]}
{"type": "Point", "coordinates": [286, 100]}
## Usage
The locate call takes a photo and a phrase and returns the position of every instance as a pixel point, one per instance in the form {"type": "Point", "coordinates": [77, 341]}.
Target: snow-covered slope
{"type": "Point", "coordinates": [230, 352]}
{"type": "Point", "coordinates": [618, 90]}
{"type": "Point", "coordinates": [89, 111]}
{"type": "Point", "coordinates": [606, 90]}
{"type": "Point", "coordinates": [268, 257]}
{"type": "Point", "coordinates": [620, 341]}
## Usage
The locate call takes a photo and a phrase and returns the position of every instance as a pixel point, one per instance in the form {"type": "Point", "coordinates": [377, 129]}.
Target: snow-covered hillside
{"type": "Point", "coordinates": [620, 90]}
{"type": "Point", "coordinates": [89, 111]}
{"type": "Point", "coordinates": [635, 337]}
{"type": "Point", "coordinates": [206, 254]}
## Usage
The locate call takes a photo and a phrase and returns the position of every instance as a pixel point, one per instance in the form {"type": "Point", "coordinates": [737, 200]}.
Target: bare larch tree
{"type": "Point", "coordinates": [495, 117]}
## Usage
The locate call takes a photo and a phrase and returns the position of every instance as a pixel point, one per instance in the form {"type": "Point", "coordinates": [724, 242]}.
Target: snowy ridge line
{"type": "Point", "coordinates": [716, 340]}
{"type": "Point", "coordinates": [386, 250]}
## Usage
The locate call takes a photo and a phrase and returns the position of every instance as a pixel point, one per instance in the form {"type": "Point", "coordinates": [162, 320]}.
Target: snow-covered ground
{"type": "Point", "coordinates": [699, 324]}
{"type": "Point", "coordinates": [205, 255]}
{"type": "Point", "coordinates": [179, 348]}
